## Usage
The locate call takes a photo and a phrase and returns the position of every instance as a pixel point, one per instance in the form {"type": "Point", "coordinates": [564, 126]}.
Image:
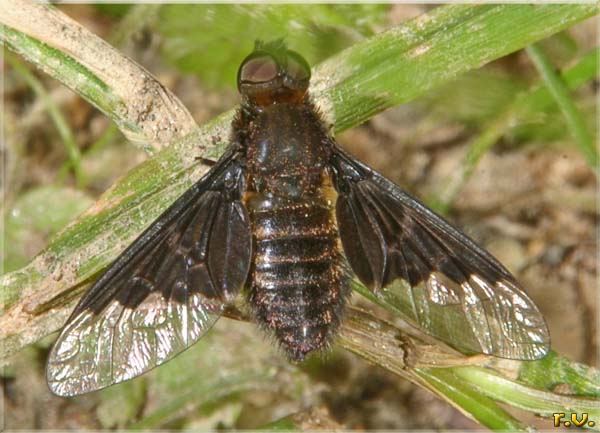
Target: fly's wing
{"type": "Point", "coordinates": [163, 293]}
{"type": "Point", "coordinates": [434, 275]}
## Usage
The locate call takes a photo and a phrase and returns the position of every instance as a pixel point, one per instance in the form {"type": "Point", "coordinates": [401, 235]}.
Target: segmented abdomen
{"type": "Point", "coordinates": [298, 288]}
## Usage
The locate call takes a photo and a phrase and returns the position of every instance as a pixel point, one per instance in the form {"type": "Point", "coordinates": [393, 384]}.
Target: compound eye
{"type": "Point", "coordinates": [297, 68]}
{"type": "Point", "coordinates": [258, 69]}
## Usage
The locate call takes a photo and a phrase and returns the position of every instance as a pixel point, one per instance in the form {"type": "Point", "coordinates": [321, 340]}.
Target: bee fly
{"type": "Point", "coordinates": [287, 218]}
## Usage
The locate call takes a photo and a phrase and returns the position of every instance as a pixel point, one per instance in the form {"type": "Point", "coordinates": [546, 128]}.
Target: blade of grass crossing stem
{"type": "Point", "coordinates": [554, 370]}
{"type": "Point", "coordinates": [524, 397]}
{"type": "Point", "coordinates": [562, 96]}
{"type": "Point", "coordinates": [468, 400]}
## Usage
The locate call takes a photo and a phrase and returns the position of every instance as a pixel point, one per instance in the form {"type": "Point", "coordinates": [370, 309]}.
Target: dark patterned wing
{"type": "Point", "coordinates": [163, 293]}
{"type": "Point", "coordinates": [434, 275]}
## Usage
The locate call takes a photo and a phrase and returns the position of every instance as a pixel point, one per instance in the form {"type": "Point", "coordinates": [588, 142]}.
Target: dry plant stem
{"type": "Point", "coordinates": [449, 376]}
{"type": "Point", "coordinates": [147, 104]}
{"type": "Point", "coordinates": [384, 345]}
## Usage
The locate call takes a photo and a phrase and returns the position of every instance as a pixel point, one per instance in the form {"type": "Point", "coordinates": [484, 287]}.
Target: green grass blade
{"type": "Point", "coordinates": [554, 370]}
{"type": "Point", "coordinates": [470, 401]}
{"type": "Point", "coordinates": [534, 100]}
{"type": "Point", "coordinates": [575, 76]}
{"type": "Point", "coordinates": [71, 73]}
{"type": "Point", "coordinates": [560, 92]}
{"type": "Point", "coordinates": [402, 64]}
{"type": "Point", "coordinates": [56, 115]}
{"type": "Point", "coordinates": [533, 400]}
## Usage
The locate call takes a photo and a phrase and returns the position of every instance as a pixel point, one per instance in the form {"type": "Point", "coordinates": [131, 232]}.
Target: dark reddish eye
{"type": "Point", "coordinates": [258, 70]}
{"type": "Point", "coordinates": [297, 67]}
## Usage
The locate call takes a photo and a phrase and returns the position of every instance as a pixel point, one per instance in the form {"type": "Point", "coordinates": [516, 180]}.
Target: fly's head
{"type": "Point", "coordinates": [273, 74]}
